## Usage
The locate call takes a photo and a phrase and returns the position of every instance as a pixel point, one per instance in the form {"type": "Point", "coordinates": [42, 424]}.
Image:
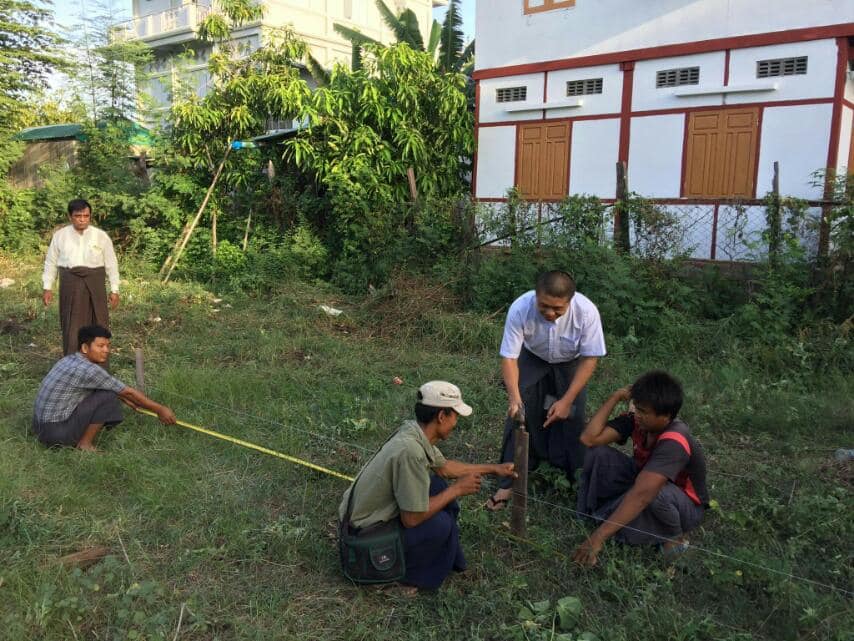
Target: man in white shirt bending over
{"type": "Point", "coordinates": [552, 342]}
{"type": "Point", "coordinates": [83, 255]}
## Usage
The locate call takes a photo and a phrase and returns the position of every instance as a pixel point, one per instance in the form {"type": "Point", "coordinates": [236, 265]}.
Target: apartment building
{"type": "Point", "coordinates": [170, 28]}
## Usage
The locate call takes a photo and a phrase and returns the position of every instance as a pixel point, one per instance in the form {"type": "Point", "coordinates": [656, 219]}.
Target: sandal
{"type": "Point", "coordinates": [496, 505]}
{"type": "Point", "coordinates": [671, 554]}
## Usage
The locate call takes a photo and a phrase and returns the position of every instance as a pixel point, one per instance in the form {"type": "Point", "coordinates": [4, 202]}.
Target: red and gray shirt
{"type": "Point", "coordinates": [674, 453]}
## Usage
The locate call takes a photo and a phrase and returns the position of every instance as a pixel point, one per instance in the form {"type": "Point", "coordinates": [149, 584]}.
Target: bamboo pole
{"type": "Point", "coordinates": [186, 239]}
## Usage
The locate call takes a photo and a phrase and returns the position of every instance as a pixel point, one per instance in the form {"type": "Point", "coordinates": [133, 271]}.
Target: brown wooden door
{"type": "Point", "coordinates": [721, 153]}
{"type": "Point", "coordinates": [543, 161]}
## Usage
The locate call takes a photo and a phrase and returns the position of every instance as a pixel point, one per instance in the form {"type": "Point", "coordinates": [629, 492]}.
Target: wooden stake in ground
{"type": "Point", "coordinates": [140, 372]}
{"type": "Point", "coordinates": [519, 505]}
{"type": "Point", "coordinates": [172, 260]}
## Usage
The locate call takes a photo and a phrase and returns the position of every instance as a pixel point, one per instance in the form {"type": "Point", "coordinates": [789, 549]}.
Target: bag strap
{"type": "Point", "coordinates": [359, 475]}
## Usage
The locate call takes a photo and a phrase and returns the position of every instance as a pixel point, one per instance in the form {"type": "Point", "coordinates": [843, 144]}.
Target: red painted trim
{"type": "Point", "coordinates": [848, 103]}
{"type": "Point", "coordinates": [758, 149]}
{"type": "Point", "coordinates": [740, 105]}
{"type": "Point", "coordinates": [838, 97]}
{"type": "Point", "coordinates": [508, 123]}
{"type": "Point", "coordinates": [682, 49]}
{"type": "Point", "coordinates": [684, 167]}
{"type": "Point", "coordinates": [516, 156]}
{"type": "Point", "coordinates": [490, 200]}
{"type": "Point", "coordinates": [671, 111]}
{"type": "Point", "coordinates": [476, 138]}
{"type": "Point", "coordinates": [625, 111]}
{"type": "Point", "coordinates": [714, 248]}
{"type": "Point", "coordinates": [569, 159]}
{"type": "Point", "coordinates": [726, 68]}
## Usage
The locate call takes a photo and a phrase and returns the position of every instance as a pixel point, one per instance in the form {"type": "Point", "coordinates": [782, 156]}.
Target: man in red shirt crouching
{"type": "Point", "coordinates": [659, 494]}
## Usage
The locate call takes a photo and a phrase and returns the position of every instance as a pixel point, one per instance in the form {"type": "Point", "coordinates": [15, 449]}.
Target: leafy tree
{"type": "Point", "coordinates": [110, 67]}
{"type": "Point", "coordinates": [368, 127]}
{"type": "Point", "coordinates": [404, 26]}
{"type": "Point", "coordinates": [29, 53]}
{"type": "Point", "coordinates": [454, 55]}
{"type": "Point", "coordinates": [445, 42]}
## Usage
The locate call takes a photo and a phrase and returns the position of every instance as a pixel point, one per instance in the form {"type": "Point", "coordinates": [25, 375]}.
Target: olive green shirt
{"type": "Point", "coordinates": [397, 478]}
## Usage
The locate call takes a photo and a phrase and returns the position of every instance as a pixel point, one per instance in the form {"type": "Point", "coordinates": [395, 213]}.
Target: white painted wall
{"type": "Point", "coordinates": [645, 96]}
{"type": "Point", "coordinates": [593, 158]}
{"type": "Point", "coordinates": [608, 102]}
{"type": "Point", "coordinates": [845, 139]}
{"type": "Point", "coordinates": [655, 155]}
{"type": "Point", "coordinates": [798, 138]}
{"type": "Point", "coordinates": [505, 36]}
{"type": "Point", "coordinates": [493, 111]}
{"type": "Point", "coordinates": [818, 82]}
{"type": "Point", "coordinates": [496, 161]}
{"type": "Point", "coordinates": [849, 87]}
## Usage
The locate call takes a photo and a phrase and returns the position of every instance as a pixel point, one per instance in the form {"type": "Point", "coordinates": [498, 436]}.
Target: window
{"type": "Point", "coordinates": [535, 6]}
{"type": "Point", "coordinates": [781, 67]}
{"type": "Point", "coordinates": [511, 94]}
{"type": "Point", "coordinates": [543, 161]}
{"type": "Point", "coordinates": [721, 153]}
{"type": "Point", "coordinates": [676, 77]}
{"type": "Point", "coordinates": [584, 87]}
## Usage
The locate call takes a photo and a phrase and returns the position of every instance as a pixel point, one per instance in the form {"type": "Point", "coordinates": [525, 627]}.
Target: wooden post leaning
{"type": "Point", "coordinates": [519, 504]}
{"type": "Point", "coordinates": [140, 372]}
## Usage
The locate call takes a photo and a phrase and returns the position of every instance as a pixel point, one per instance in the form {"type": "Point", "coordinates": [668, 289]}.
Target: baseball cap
{"type": "Point", "coordinates": [443, 394]}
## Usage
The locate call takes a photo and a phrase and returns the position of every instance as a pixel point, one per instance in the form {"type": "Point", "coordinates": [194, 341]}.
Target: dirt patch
{"type": "Point", "coordinates": [400, 306]}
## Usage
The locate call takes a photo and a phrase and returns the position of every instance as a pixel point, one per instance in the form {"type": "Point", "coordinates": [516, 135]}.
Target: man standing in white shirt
{"type": "Point", "coordinates": [83, 256]}
{"type": "Point", "coordinates": [552, 342]}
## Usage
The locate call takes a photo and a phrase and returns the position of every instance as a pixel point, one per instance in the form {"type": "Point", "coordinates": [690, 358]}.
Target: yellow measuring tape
{"type": "Point", "coordinates": [257, 448]}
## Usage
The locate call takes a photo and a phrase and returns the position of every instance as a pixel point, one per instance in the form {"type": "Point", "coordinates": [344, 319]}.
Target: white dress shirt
{"type": "Point", "coordinates": [576, 333]}
{"type": "Point", "coordinates": [68, 248]}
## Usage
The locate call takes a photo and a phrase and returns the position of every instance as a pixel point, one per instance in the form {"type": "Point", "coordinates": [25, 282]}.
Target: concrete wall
{"type": "Point", "coordinates": [593, 157]}
{"type": "Point", "coordinates": [655, 155]}
{"type": "Point", "coordinates": [496, 161]}
{"type": "Point", "coordinates": [798, 138]}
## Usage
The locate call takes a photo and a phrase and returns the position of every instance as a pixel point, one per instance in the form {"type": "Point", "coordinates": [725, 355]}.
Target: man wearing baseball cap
{"type": "Point", "coordinates": [406, 480]}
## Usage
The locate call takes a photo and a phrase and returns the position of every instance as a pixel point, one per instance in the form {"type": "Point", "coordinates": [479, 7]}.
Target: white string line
{"type": "Point", "coordinates": [576, 512]}
{"type": "Point", "coordinates": [692, 545]}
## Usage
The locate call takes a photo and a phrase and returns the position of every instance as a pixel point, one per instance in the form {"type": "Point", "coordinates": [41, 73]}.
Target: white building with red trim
{"type": "Point", "coordinates": [698, 97]}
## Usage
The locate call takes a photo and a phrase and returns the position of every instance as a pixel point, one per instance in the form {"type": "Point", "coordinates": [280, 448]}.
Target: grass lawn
{"type": "Point", "coordinates": [238, 545]}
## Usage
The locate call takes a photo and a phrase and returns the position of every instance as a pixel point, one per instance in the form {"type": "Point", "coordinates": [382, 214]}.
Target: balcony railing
{"type": "Point", "coordinates": [185, 18]}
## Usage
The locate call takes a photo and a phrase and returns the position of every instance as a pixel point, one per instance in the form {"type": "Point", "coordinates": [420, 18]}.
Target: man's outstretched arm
{"type": "Point", "coordinates": [136, 399]}
{"type": "Point", "coordinates": [643, 492]}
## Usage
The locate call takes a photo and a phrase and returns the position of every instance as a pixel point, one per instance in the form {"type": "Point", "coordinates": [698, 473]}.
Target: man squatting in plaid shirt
{"type": "Point", "coordinates": [78, 396]}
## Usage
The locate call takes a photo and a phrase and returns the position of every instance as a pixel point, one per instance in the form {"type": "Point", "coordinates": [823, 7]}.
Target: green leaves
{"type": "Point", "coordinates": [539, 621]}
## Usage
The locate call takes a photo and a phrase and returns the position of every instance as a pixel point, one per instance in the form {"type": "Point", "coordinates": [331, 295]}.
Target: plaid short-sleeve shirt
{"type": "Point", "coordinates": [68, 382]}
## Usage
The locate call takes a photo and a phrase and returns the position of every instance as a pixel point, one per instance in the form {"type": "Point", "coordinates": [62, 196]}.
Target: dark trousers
{"type": "Point", "coordinates": [433, 548]}
{"type": "Point", "coordinates": [101, 406]}
{"type": "Point", "coordinates": [608, 474]}
{"type": "Point", "coordinates": [559, 444]}
{"type": "Point", "coordinates": [82, 301]}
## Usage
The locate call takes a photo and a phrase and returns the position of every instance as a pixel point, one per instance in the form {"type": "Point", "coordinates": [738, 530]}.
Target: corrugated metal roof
{"type": "Point", "coordinates": [51, 132]}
